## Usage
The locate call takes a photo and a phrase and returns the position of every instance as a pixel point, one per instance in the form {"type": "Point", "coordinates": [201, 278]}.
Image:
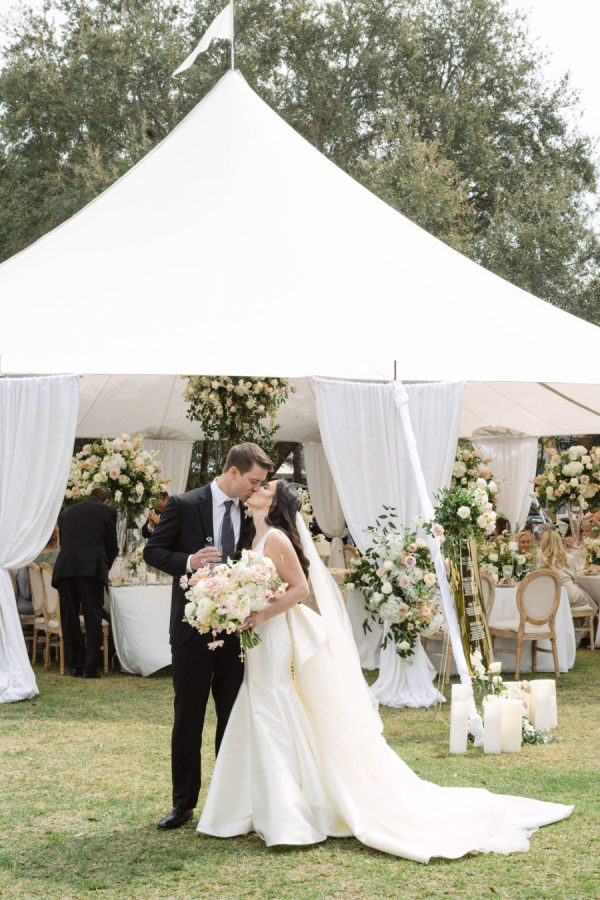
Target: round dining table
{"type": "Point", "coordinates": [140, 625]}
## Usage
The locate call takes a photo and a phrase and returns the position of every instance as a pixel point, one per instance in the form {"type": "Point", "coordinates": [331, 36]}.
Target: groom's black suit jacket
{"type": "Point", "coordinates": [185, 524]}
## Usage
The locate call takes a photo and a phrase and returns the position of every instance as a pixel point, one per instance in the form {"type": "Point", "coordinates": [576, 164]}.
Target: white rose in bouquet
{"type": "Point", "coordinates": [463, 512]}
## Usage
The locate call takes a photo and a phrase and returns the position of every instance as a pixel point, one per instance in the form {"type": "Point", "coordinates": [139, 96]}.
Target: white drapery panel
{"type": "Point", "coordinates": [175, 458]}
{"type": "Point", "coordinates": [325, 501]}
{"type": "Point", "coordinates": [374, 459]}
{"type": "Point", "coordinates": [38, 417]}
{"type": "Point", "coordinates": [513, 462]}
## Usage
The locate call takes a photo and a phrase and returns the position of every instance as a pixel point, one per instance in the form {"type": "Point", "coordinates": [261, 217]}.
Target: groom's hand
{"type": "Point", "coordinates": [204, 557]}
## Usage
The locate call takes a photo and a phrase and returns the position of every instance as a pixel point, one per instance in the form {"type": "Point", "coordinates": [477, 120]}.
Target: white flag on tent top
{"type": "Point", "coordinates": [222, 27]}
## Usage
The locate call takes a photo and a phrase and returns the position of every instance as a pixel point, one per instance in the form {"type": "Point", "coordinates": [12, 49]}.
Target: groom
{"type": "Point", "coordinates": [190, 529]}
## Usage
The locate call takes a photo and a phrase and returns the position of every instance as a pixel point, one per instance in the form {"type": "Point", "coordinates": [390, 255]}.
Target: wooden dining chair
{"type": "Point", "coordinates": [583, 622]}
{"type": "Point", "coordinates": [350, 553]}
{"type": "Point", "coordinates": [39, 606]}
{"type": "Point", "coordinates": [538, 596]}
{"type": "Point", "coordinates": [53, 623]}
{"type": "Point", "coordinates": [445, 651]}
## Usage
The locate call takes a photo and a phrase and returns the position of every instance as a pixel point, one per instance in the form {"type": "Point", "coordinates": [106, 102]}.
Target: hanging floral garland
{"type": "Point", "coordinates": [233, 409]}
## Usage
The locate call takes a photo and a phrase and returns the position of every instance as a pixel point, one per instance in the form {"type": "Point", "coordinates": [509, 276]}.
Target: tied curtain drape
{"type": "Point", "coordinates": [38, 417]}
{"type": "Point", "coordinates": [513, 459]}
{"type": "Point", "coordinates": [174, 457]}
{"type": "Point", "coordinates": [325, 501]}
{"type": "Point", "coordinates": [375, 451]}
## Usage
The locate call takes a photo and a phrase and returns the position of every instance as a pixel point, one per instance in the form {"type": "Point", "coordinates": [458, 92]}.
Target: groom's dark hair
{"type": "Point", "coordinates": [243, 456]}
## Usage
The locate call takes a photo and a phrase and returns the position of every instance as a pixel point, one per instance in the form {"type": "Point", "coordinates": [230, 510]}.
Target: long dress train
{"type": "Point", "coordinates": [303, 759]}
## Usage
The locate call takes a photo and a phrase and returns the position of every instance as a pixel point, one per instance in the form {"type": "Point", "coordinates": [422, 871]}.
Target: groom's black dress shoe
{"type": "Point", "coordinates": [175, 819]}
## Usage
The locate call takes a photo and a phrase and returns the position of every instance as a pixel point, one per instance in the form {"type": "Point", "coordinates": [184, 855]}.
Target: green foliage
{"type": "Point", "coordinates": [439, 106]}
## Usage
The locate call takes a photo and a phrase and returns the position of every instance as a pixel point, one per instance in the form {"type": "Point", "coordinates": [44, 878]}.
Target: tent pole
{"type": "Point", "coordinates": [395, 371]}
{"type": "Point", "coordinates": [232, 34]}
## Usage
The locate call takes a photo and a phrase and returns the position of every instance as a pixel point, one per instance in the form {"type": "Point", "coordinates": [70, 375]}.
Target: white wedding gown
{"type": "Point", "coordinates": [303, 759]}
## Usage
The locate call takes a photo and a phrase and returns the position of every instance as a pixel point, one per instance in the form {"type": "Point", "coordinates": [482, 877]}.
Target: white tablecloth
{"type": "Point", "coordinates": [505, 608]}
{"type": "Point", "coordinates": [591, 585]}
{"type": "Point", "coordinates": [140, 625]}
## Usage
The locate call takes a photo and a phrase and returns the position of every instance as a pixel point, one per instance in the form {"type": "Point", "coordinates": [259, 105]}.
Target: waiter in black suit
{"type": "Point", "coordinates": [88, 548]}
{"type": "Point", "coordinates": [191, 528]}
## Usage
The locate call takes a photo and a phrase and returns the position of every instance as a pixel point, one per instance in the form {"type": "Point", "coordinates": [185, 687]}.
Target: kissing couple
{"type": "Point", "coordinates": [300, 751]}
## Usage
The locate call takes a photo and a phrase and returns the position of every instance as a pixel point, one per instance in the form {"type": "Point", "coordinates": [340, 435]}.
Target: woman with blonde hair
{"type": "Point", "coordinates": [555, 557]}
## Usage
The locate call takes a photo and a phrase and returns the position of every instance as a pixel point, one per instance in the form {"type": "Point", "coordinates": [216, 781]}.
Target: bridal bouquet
{"type": "Point", "coordinates": [397, 578]}
{"type": "Point", "coordinates": [222, 597]}
{"type": "Point", "coordinates": [570, 478]}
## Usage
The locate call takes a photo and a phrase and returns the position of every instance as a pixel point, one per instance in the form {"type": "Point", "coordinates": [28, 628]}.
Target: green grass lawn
{"type": "Point", "coordinates": [85, 775]}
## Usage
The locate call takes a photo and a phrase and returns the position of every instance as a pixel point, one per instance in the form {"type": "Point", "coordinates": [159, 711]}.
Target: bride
{"type": "Point", "coordinates": [303, 757]}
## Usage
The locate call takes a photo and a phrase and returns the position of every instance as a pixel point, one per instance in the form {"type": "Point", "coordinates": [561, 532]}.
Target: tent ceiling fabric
{"type": "Point", "coordinates": [253, 253]}
{"type": "Point", "coordinates": [154, 404]}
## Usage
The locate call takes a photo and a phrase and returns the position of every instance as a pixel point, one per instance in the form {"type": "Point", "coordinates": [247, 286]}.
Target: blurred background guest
{"type": "Point", "coordinates": [154, 516]}
{"type": "Point", "coordinates": [555, 557]}
{"type": "Point", "coordinates": [50, 552]}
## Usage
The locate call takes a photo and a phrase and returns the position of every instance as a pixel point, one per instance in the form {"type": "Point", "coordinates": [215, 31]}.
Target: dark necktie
{"type": "Point", "coordinates": [227, 535]}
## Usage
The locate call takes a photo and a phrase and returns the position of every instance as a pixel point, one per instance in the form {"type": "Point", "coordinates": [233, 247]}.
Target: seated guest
{"type": "Point", "coordinates": [154, 516]}
{"type": "Point", "coordinates": [524, 540]}
{"type": "Point", "coordinates": [555, 558]}
{"type": "Point", "coordinates": [24, 603]}
{"type": "Point", "coordinates": [50, 551]}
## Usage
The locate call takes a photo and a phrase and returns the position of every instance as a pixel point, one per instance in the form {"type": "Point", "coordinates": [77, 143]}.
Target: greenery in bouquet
{"type": "Point", "coordinates": [397, 578]}
{"type": "Point", "coordinates": [470, 470]}
{"type": "Point", "coordinates": [231, 409]}
{"type": "Point", "coordinates": [489, 682]}
{"type": "Point", "coordinates": [464, 513]}
{"type": "Point", "coordinates": [570, 478]}
{"type": "Point", "coordinates": [129, 473]}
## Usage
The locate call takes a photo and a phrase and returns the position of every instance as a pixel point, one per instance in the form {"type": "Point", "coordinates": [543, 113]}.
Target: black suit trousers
{"type": "Point", "coordinates": [196, 670]}
{"type": "Point", "coordinates": [87, 594]}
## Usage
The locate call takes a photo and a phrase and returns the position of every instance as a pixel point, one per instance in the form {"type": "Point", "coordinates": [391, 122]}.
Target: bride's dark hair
{"type": "Point", "coordinates": [282, 514]}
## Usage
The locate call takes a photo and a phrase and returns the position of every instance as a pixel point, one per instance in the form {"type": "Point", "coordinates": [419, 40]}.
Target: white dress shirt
{"type": "Point", "coordinates": [218, 512]}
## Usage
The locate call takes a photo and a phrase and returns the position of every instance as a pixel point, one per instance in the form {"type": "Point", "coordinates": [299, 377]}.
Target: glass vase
{"type": "Point", "coordinates": [468, 600]}
{"type": "Point", "coordinates": [575, 514]}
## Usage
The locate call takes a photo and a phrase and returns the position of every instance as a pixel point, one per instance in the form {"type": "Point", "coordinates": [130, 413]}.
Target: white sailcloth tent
{"type": "Point", "coordinates": [235, 246]}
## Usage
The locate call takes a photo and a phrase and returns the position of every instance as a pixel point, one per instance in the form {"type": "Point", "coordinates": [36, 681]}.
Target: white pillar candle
{"type": "Point", "coordinates": [511, 725]}
{"type": "Point", "coordinates": [492, 725]}
{"type": "Point", "coordinates": [543, 706]}
{"type": "Point", "coordinates": [554, 709]}
{"type": "Point", "coordinates": [459, 725]}
{"type": "Point", "coordinates": [460, 692]}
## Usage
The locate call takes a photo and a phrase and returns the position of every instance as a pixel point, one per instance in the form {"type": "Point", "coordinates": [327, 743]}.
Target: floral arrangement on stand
{"type": "Point", "coordinates": [571, 478]}
{"type": "Point", "coordinates": [399, 584]}
{"type": "Point", "coordinates": [591, 547]}
{"type": "Point", "coordinates": [464, 513]}
{"type": "Point", "coordinates": [489, 682]}
{"type": "Point", "coordinates": [503, 551]}
{"type": "Point", "coordinates": [129, 473]}
{"type": "Point", "coordinates": [222, 597]}
{"type": "Point", "coordinates": [470, 470]}
{"type": "Point", "coordinates": [231, 409]}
